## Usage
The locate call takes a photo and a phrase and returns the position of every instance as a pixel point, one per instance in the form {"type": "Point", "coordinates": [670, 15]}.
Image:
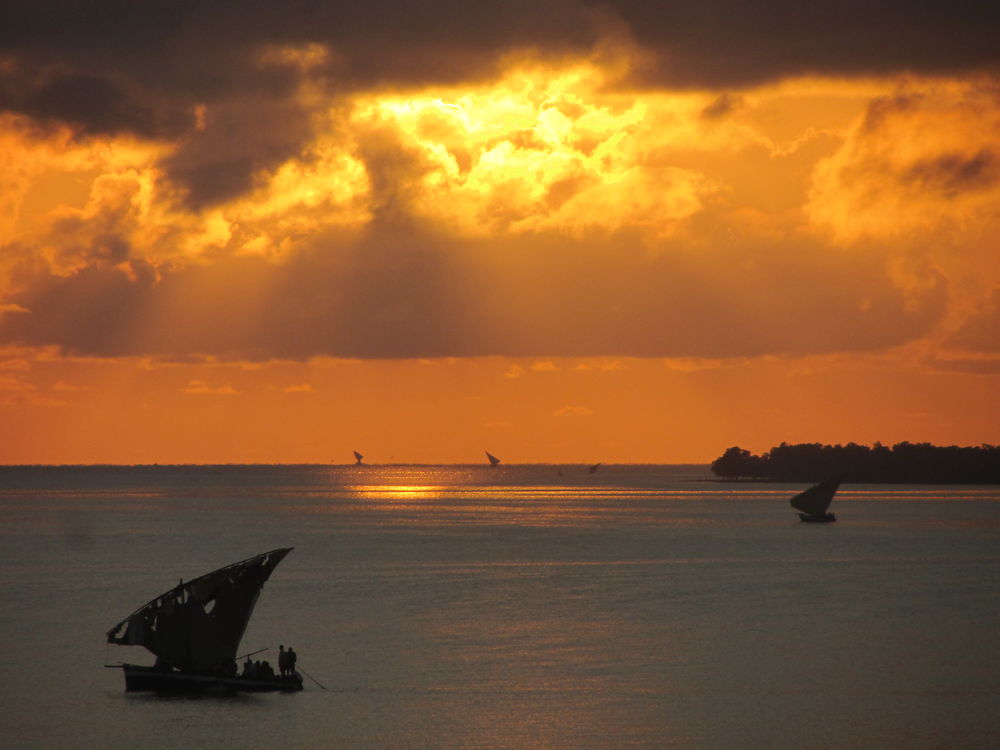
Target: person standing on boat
{"type": "Point", "coordinates": [291, 656]}
{"type": "Point", "coordinates": [282, 660]}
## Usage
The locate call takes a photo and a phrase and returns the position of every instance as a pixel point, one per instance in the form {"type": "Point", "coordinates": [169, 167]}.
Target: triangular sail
{"type": "Point", "coordinates": [195, 626]}
{"type": "Point", "coordinates": [358, 458]}
{"type": "Point", "coordinates": [493, 459]}
{"type": "Point", "coordinates": [816, 500]}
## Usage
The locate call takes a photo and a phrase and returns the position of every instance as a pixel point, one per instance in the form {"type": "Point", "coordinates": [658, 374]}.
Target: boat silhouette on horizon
{"type": "Point", "coordinates": [814, 503]}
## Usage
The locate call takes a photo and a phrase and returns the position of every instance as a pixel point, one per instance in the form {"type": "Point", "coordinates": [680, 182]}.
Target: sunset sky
{"type": "Point", "coordinates": [563, 231]}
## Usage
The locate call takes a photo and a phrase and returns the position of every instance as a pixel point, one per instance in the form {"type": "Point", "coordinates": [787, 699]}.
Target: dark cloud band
{"type": "Point", "coordinates": [405, 296]}
{"type": "Point", "coordinates": [200, 50]}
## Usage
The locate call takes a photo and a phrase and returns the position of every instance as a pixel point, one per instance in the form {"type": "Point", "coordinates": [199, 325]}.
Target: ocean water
{"type": "Point", "coordinates": [517, 607]}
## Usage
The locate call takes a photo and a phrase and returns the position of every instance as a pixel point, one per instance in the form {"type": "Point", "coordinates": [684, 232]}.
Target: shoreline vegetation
{"type": "Point", "coordinates": [903, 463]}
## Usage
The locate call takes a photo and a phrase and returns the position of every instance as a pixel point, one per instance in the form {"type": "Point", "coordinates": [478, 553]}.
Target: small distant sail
{"type": "Point", "coordinates": [357, 458]}
{"type": "Point", "coordinates": [593, 469]}
{"type": "Point", "coordinates": [493, 459]}
{"type": "Point", "coordinates": [816, 500]}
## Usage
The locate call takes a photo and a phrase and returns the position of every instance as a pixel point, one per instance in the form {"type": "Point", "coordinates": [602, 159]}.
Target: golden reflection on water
{"type": "Point", "coordinates": [394, 491]}
{"type": "Point", "coordinates": [545, 496]}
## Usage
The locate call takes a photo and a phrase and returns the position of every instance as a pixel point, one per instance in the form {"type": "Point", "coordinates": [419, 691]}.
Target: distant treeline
{"type": "Point", "coordinates": [917, 463]}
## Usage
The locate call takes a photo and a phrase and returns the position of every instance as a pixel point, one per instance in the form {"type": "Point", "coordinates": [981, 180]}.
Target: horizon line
{"type": "Point", "coordinates": [334, 465]}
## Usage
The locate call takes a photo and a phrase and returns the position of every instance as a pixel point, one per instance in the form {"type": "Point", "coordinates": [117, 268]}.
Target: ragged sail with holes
{"type": "Point", "coordinates": [195, 629]}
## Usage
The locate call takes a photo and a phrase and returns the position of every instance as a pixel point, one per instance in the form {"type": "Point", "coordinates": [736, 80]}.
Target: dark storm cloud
{"type": "Point", "coordinates": [218, 162]}
{"type": "Point", "coordinates": [200, 50]}
{"type": "Point", "coordinates": [204, 49]}
{"type": "Point", "coordinates": [398, 294]}
{"type": "Point", "coordinates": [721, 106]}
{"type": "Point", "coordinates": [882, 108]}
{"type": "Point", "coordinates": [393, 172]}
{"type": "Point", "coordinates": [729, 43]}
{"type": "Point", "coordinates": [114, 66]}
{"type": "Point", "coordinates": [94, 104]}
{"type": "Point", "coordinates": [953, 173]}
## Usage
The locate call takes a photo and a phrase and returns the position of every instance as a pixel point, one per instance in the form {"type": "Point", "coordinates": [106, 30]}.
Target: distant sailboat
{"type": "Point", "coordinates": [593, 469]}
{"type": "Point", "coordinates": [493, 459]}
{"type": "Point", "coordinates": [357, 458]}
{"type": "Point", "coordinates": [815, 501]}
{"type": "Point", "coordinates": [195, 629]}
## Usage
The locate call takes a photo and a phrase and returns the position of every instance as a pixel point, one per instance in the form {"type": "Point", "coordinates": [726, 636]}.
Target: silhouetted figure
{"type": "Point", "coordinates": [282, 660]}
{"type": "Point", "coordinates": [247, 668]}
{"type": "Point", "coordinates": [291, 656]}
{"type": "Point", "coordinates": [266, 671]}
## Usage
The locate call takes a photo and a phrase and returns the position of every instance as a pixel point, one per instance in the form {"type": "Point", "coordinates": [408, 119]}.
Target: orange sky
{"type": "Point", "coordinates": [565, 253]}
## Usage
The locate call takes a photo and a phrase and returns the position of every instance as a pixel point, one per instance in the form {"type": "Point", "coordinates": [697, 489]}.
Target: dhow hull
{"type": "Point", "coordinates": [139, 678]}
{"type": "Point", "coordinates": [826, 518]}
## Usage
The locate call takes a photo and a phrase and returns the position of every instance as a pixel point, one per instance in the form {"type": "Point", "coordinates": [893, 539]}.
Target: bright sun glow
{"type": "Point", "coordinates": [544, 151]}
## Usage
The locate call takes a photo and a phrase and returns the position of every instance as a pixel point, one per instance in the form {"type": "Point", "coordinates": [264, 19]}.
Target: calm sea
{"type": "Point", "coordinates": [519, 607]}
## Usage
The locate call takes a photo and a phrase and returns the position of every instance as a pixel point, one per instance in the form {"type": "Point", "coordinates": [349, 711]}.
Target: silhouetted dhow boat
{"type": "Point", "coordinates": [493, 459]}
{"type": "Point", "coordinates": [815, 501]}
{"type": "Point", "coordinates": [358, 458]}
{"type": "Point", "coordinates": [195, 629]}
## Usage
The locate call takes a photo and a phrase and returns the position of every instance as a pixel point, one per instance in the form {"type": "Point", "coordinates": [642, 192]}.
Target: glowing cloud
{"type": "Point", "coordinates": [573, 411]}
{"type": "Point", "coordinates": [543, 150]}
{"type": "Point", "coordinates": [924, 157]}
{"type": "Point", "coordinates": [201, 388]}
